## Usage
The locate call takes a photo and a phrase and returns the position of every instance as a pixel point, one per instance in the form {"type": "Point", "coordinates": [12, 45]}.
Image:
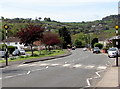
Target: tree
{"type": "Point", "coordinates": [78, 43]}
{"type": "Point", "coordinates": [99, 45]}
{"type": "Point", "coordinates": [95, 40]}
{"type": "Point", "coordinates": [30, 34]}
{"type": "Point", "coordinates": [65, 36]}
{"type": "Point", "coordinates": [51, 39]}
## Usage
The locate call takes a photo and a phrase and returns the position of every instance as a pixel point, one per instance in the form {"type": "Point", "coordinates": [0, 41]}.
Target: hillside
{"type": "Point", "coordinates": [104, 27]}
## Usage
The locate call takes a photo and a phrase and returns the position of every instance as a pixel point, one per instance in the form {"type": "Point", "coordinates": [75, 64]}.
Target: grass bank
{"type": "Point", "coordinates": [37, 54]}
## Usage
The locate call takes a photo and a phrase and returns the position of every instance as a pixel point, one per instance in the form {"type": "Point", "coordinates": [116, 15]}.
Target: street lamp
{"type": "Point", "coordinates": [117, 27]}
{"type": "Point", "coordinates": [6, 53]}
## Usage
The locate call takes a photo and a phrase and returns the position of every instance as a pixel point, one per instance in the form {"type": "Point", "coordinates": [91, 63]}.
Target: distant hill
{"type": "Point", "coordinates": [104, 26]}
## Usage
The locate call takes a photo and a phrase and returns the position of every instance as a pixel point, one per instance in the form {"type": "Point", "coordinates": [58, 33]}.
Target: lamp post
{"type": "Point", "coordinates": [117, 27]}
{"type": "Point", "coordinates": [6, 53]}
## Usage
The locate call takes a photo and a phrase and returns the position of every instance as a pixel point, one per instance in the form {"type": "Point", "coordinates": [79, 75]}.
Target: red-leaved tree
{"type": "Point", "coordinates": [30, 34]}
{"type": "Point", "coordinates": [51, 39]}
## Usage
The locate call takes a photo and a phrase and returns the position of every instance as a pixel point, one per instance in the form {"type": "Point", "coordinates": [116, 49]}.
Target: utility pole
{"type": "Point", "coordinates": [6, 53]}
{"type": "Point", "coordinates": [117, 27]}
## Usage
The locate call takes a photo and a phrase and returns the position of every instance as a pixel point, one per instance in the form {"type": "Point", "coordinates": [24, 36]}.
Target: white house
{"type": "Point", "coordinates": [13, 41]}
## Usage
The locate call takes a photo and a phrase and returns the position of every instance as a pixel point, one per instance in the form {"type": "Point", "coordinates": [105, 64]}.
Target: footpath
{"type": "Point", "coordinates": [111, 79]}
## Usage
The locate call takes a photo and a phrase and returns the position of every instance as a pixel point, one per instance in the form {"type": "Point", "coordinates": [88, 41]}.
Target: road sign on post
{"type": "Point", "coordinates": [6, 27]}
{"type": "Point", "coordinates": [117, 27]}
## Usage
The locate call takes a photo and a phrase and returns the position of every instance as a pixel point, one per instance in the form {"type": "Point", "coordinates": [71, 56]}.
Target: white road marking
{"type": "Point", "coordinates": [55, 64]}
{"type": "Point", "coordinates": [66, 62]}
{"type": "Point", "coordinates": [44, 64]}
{"type": "Point", "coordinates": [88, 82]}
{"type": "Point", "coordinates": [97, 74]}
{"type": "Point", "coordinates": [47, 67]}
{"type": "Point", "coordinates": [22, 65]}
{"type": "Point", "coordinates": [9, 76]}
{"type": "Point", "coordinates": [0, 78]}
{"type": "Point", "coordinates": [77, 65]}
{"type": "Point", "coordinates": [101, 67]}
{"type": "Point", "coordinates": [66, 65]}
{"type": "Point", "coordinates": [28, 72]}
{"type": "Point", "coordinates": [89, 66]}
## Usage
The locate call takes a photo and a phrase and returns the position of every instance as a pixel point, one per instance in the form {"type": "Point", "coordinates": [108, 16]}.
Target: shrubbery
{"type": "Point", "coordinates": [99, 45]}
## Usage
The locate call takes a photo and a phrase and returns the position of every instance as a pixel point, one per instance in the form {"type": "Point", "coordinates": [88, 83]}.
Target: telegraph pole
{"type": "Point", "coordinates": [6, 53]}
{"type": "Point", "coordinates": [117, 27]}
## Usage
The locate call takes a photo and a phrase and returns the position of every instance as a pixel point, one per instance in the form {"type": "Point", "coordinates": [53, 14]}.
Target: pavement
{"type": "Point", "coordinates": [110, 79]}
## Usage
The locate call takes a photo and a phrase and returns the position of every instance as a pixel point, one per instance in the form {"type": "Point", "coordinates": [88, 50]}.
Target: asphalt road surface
{"type": "Point", "coordinates": [81, 69]}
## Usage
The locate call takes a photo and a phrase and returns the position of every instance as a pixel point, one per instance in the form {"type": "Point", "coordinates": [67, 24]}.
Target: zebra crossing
{"type": "Point", "coordinates": [65, 65]}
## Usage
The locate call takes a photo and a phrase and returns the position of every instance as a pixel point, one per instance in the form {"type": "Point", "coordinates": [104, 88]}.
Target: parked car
{"type": "Point", "coordinates": [73, 48]}
{"type": "Point", "coordinates": [96, 50]}
{"type": "Point", "coordinates": [3, 54]}
{"type": "Point", "coordinates": [112, 52]}
{"type": "Point", "coordinates": [85, 49]}
{"type": "Point", "coordinates": [22, 51]}
{"type": "Point", "coordinates": [18, 52]}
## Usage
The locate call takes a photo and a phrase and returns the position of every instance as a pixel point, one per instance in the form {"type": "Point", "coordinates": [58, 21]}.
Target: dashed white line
{"type": "Point", "coordinates": [0, 78]}
{"type": "Point", "coordinates": [44, 64]}
{"type": "Point", "coordinates": [77, 65]}
{"type": "Point", "coordinates": [89, 66]}
{"type": "Point", "coordinates": [28, 72]}
{"type": "Point", "coordinates": [66, 65]}
{"type": "Point", "coordinates": [55, 64]}
{"type": "Point", "coordinates": [101, 67]}
{"type": "Point", "coordinates": [22, 65]}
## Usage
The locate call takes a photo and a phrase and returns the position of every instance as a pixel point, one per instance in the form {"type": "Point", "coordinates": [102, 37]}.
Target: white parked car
{"type": "Point", "coordinates": [2, 54]}
{"type": "Point", "coordinates": [18, 52]}
{"type": "Point", "coordinates": [84, 49]}
{"type": "Point", "coordinates": [22, 51]}
{"type": "Point", "coordinates": [112, 52]}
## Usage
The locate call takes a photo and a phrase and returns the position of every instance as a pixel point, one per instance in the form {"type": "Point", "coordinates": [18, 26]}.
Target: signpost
{"type": "Point", "coordinates": [6, 53]}
{"type": "Point", "coordinates": [117, 27]}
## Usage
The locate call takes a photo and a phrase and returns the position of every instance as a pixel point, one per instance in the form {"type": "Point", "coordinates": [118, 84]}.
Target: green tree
{"type": "Point", "coordinates": [99, 45]}
{"type": "Point", "coordinates": [95, 40]}
{"type": "Point", "coordinates": [78, 43]}
{"type": "Point", "coordinates": [65, 35]}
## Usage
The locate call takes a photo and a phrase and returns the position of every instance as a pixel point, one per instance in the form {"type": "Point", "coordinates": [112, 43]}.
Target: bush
{"type": "Point", "coordinates": [78, 43]}
{"type": "Point", "coordinates": [99, 45]}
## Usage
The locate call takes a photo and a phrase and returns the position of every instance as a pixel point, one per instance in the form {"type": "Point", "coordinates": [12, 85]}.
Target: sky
{"type": "Point", "coordinates": [59, 10]}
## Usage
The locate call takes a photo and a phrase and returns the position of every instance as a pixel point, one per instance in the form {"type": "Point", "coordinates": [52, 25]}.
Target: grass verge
{"type": "Point", "coordinates": [37, 54]}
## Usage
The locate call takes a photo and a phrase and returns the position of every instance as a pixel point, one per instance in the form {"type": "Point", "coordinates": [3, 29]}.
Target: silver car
{"type": "Point", "coordinates": [112, 52]}
{"type": "Point", "coordinates": [18, 52]}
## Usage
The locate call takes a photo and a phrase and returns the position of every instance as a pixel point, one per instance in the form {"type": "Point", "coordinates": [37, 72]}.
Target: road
{"type": "Point", "coordinates": [81, 69]}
